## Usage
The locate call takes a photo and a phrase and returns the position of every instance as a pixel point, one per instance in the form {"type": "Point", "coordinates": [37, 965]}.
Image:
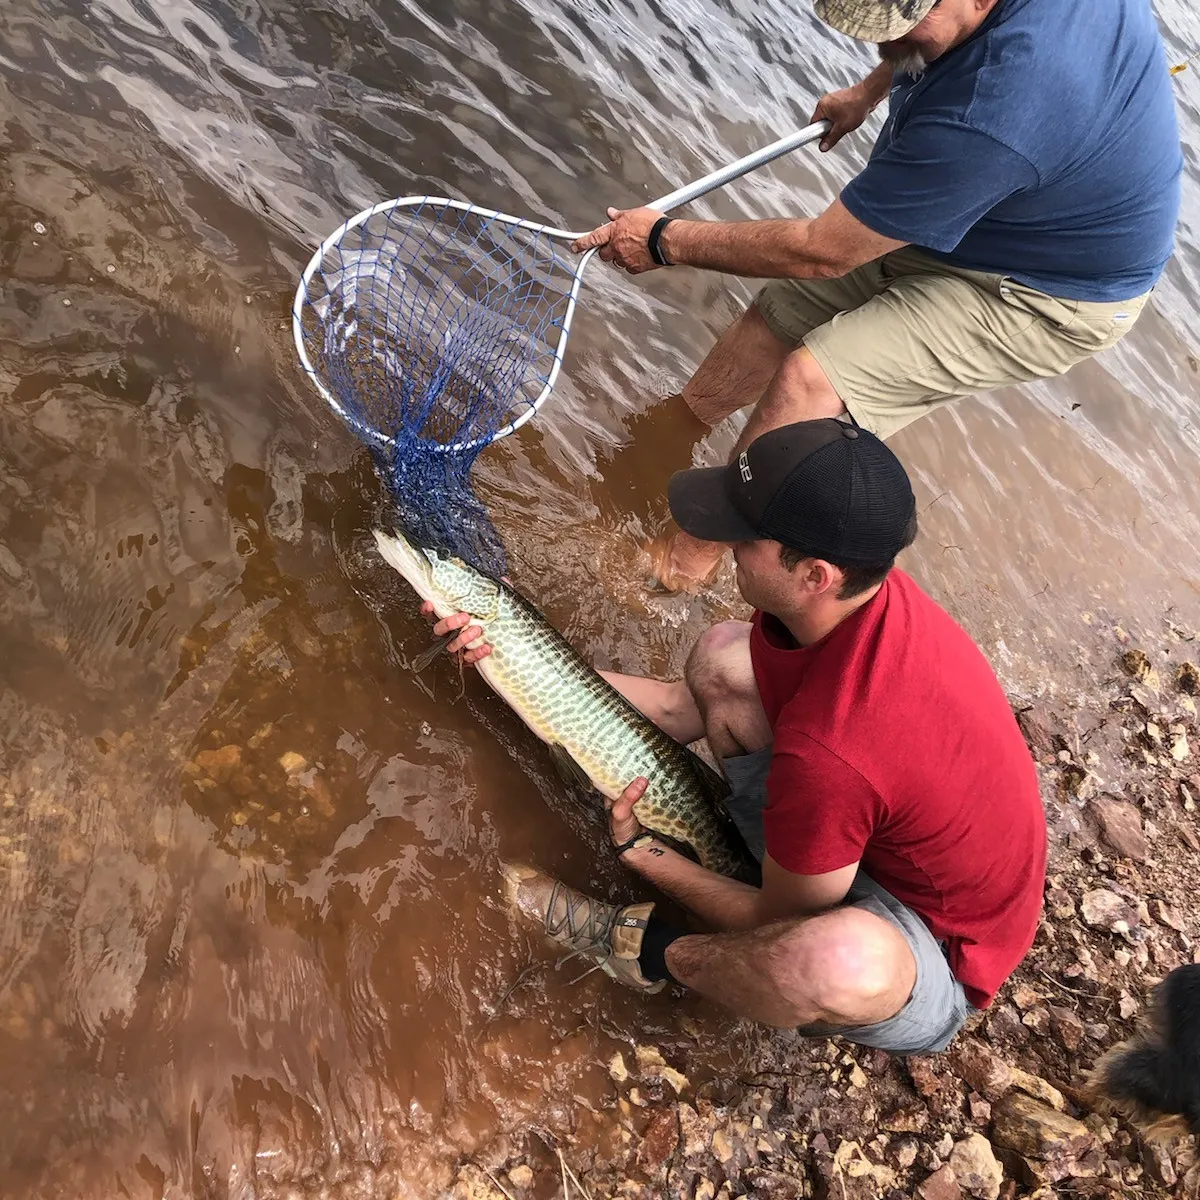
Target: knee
{"type": "Point", "coordinates": [801, 379]}
{"type": "Point", "coordinates": [844, 967]}
{"type": "Point", "coordinates": [719, 664]}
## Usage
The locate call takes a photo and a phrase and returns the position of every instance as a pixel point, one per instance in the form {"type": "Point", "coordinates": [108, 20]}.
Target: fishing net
{"type": "Point", "coordinates": [433, 327]}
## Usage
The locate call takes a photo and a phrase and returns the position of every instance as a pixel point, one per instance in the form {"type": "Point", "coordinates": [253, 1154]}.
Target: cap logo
{"type": "Point", "coordinates": [744, 467]}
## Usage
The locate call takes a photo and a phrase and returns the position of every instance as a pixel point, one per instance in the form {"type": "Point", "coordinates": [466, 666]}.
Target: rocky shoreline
{"type": "Point", "coordinates": [1004, 1113]}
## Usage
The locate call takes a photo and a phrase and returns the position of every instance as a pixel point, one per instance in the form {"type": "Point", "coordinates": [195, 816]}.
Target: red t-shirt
{"type": "Point", "coordinates": [895, 745]}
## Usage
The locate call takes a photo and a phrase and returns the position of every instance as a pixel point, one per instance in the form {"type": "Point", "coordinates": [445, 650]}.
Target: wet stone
{"type": "Point", "coordinates": [520, 1176]}
{"type": "Point", "coordinates": [694, 1135]}
{"type": "Point", "coordinates": [659, 1142]}
{"type": "Point", "coordinates": [941, 1185]}
{"type": "Point", "coordinates": [292, 762]}
{"type": "Point", "coordinates": [1105, 910]}
{"type": "Point", "coordinates": [219, 764]}
{"type": "Point", "coordinates": [975, 1167]}
{"type": "Point", "coordinates": [722, 1146]}
{"type": "Point", "coordinates": [1051, 1143]}
{"type": "Point", "coordinates": [1120, 827]}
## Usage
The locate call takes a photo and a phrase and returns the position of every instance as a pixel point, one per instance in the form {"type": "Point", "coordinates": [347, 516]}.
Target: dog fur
{"type": "Point", "coordinates": [1153, 1079]}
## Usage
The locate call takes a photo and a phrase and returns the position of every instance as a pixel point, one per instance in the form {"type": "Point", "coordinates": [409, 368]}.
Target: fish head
{"type": "Point", "coordinates": [448, 583]}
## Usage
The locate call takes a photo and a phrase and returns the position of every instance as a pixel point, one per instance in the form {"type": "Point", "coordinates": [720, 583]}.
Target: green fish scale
{"type": "Point", "coordinates": [565, 701]}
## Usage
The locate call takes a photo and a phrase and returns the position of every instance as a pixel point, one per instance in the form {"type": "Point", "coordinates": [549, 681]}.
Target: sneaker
{"type": "Point", "coordinates": [608, 934]}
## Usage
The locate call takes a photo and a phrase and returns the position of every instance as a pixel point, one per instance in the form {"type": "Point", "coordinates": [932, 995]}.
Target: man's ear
{"type": "Point", "coordinates": [821, 577]}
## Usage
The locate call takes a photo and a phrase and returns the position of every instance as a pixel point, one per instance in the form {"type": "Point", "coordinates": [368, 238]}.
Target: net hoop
{"type": "Point", "coordinates": [364, 431]}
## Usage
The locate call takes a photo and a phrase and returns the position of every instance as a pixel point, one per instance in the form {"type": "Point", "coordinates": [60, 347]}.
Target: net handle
{"type": "Point", "coordinates": [684, 195]}
{"type": "Point", "coordinates": [735, 170]}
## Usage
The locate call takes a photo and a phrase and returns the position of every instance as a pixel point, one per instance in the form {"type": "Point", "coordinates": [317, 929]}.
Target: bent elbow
{"type": "Point", "coordinates": [799, 262]}
{"type": "Point", "coordinates": [823, 268]}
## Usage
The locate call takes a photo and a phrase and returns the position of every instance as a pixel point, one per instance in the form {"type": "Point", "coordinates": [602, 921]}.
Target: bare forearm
{"type": "Point", "coordinates": [776, 249]}
{"type": "Point", "coordinates": [720, 902]}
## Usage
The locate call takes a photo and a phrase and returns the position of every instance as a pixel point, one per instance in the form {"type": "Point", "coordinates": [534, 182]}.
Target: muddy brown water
{"type": "Point", "coordinates": [251, 939]}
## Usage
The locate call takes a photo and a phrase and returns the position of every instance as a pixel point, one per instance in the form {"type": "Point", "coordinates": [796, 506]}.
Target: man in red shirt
{"type": "Point", "coordinates": [875, 765]}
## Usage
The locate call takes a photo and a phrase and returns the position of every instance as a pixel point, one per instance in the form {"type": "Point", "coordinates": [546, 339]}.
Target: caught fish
{"type": "Point", "coordinates": [595, 735]}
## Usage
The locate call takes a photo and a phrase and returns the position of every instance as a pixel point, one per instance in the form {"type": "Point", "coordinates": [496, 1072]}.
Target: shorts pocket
{"type": "Point", "coordinates": [1103, 325]}
{"type": "Point", "coordinates": [1055, 311]}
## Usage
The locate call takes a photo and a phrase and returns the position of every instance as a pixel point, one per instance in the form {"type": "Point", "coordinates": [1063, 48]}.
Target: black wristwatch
{"type": "Point", "coordinates": [641, 838]}
{"type": "Point", "coordinates": [656, 232]}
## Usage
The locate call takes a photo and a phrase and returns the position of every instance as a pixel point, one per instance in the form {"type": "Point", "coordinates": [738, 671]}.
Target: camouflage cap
{"type": "Point", "coordinates": [874, 20]}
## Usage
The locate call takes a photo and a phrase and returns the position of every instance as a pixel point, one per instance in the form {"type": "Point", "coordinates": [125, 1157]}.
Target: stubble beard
{"type": "Point", "coordinates": [903, 58]}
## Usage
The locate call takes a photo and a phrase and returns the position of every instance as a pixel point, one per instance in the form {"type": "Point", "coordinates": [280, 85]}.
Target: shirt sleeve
{"type": "Point", "coordinates": [820, 812]}
{"type": "Point", "coordinates": [934, 181]}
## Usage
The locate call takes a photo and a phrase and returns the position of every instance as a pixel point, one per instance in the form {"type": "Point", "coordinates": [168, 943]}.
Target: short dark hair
{"type": "Point", "coordinates": [855, 580]}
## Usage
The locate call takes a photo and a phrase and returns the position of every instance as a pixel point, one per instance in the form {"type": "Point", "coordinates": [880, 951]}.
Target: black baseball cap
{"type": "Point", "coordinates": [825, 488]}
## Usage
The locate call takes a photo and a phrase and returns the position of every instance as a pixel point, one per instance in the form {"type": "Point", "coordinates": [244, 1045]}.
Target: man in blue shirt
{"type": "Point", "coordinates": [1016, 211]}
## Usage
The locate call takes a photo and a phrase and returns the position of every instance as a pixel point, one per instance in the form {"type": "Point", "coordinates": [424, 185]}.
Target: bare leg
{"type": "Point", "coordinates": [799, 391]}
{"type": "Point", "coordinates": [717, 698]}
{"type": "Point", "coordinates": [670, 705]}
{"type": "Point", "coordinates": [843, 967]}
{"type": "Point", "coordinates": [734, 373]}
{"type": "Point", "coordinates": [737, 370]}
{"type": "Point", "coordinates": [721, 678]}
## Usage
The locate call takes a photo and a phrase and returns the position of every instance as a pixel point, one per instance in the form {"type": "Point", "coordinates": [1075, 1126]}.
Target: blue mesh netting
{"type": "Point", "coordinates": [434, 328]}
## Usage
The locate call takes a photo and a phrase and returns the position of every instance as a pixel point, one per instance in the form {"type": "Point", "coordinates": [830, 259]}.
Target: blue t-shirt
{"type": "Point", "coordinates": [1044, 147]}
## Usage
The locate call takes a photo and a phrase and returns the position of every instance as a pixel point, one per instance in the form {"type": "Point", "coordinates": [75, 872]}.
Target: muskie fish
{"type": "Point", "coordinates": [595, 735]}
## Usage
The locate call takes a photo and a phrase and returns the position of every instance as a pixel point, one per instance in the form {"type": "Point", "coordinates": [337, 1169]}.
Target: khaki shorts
{"type": "Point", "coordinates": [906, 334]}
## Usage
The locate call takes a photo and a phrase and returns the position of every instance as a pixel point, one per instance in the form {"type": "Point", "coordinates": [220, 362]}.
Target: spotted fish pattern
{"type": "Point", "coordinates": [577, 712]}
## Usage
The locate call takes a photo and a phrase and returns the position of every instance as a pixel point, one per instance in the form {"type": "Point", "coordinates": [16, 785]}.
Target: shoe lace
{"type": "Point", "coordinates": [585, 920]}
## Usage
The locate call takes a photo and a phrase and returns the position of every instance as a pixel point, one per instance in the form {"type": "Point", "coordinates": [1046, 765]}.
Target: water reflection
{"type": "Point", "coordinates": [250, 934]}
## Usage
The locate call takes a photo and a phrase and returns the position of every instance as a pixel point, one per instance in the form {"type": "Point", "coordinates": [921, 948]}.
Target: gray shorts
{"type": "Point", "coordinates": [938, 1006]}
